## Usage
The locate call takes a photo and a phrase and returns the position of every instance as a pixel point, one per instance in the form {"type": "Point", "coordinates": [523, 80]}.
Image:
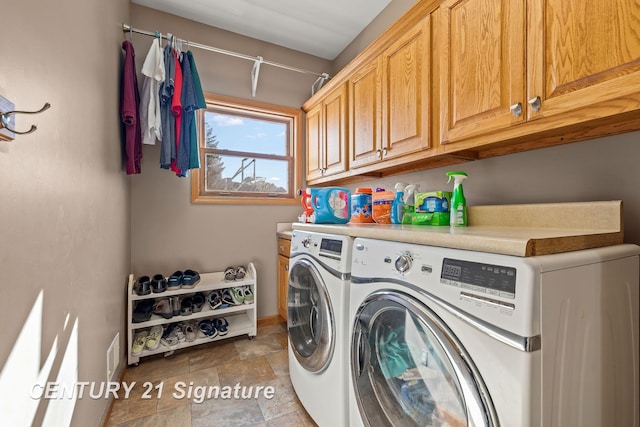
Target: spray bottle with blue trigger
{"type": "Point", "coordinates": [458, 213]}
{"type": "Point", "coordinates": [397, 207]}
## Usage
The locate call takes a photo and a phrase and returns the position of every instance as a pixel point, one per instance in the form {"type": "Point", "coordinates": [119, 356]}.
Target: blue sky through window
{"type": "Point", "coordinates": [251, 135]}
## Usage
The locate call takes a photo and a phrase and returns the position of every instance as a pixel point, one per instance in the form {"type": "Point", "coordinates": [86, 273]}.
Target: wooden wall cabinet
{"type": "Point", "coordinates": [327, 135]}
{"type": "Point", "coordinates": [389, 100]}
{"type": "Point", "coordinates": [284, 246]}
{"type": "Point", "coordinates": [508, 63]}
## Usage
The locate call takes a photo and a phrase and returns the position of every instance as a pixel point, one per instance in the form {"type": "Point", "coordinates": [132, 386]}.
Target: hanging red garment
{"type": "Point", "coordinates": [176, 108]}
{"type": "Point", "coordinates": [129, 113]}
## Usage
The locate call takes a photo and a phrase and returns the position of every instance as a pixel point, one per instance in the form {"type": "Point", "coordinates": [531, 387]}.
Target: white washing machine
{"type": "Point", "coordinates": [448, 337]}
{"type": "Point", "coordinates": [319, 332]}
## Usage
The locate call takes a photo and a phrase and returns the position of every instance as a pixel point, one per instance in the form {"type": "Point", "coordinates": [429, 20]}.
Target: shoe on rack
{"type": "Point", "coordinates": [142, 311]}
{"type": "Point", "coordinates": [190, 331]}
{"type": "Point", "coordinates": [139, 342]}
{"type": "Point", "coordinates": [176, 306]}
{"type": "Point", "coordinates": [222, 325]}
{"type": "Point", "coordinates": [229, 274]}
{"type": "Point", "coordinates": [215, 300]}
{"type": "Point", "coordinates": [153, 340]}
{"type": "Point", "coordinates": [158, 284]}
{"type": "Point", "coordinates": [198, 301]}
{"type": "Point", "coordinates": [207, 328]}
{"type": "Point", "coordinates": [190, 279]}
{"type": "Point", "coordinates": [142, 286]}
{"type": "Point", "coordinates": [175, 280]}
{"type": "Point", "coordinates": [162, 307]}
{"type": "Point", "coordinates": [186, 306]}
{"type": "Point", "coordinates": [248, 295]}
{"type": "Point", "coordinates": [172, 335]}
{"type": "Point", "coordinates": [237, 295]}
{"type": "Point", "coordinates": [227, 298]}
{"type": "Point", "coordinates": [241, 271]}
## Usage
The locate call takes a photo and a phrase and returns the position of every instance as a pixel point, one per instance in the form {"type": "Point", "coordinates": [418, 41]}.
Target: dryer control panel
{"type": "Point", "coordinates": [479, 277]}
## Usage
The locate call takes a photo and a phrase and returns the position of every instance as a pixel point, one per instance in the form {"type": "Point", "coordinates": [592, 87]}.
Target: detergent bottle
{"type": "Point", "coordinates": [305, 200]}
{"type": "Point", "coordinates": [397, 207]}
{"type": "Point", "coordinates": [331, 205]}
{"type": "Point", "coordinates": [458, 217]}
{"type": "Point", "coordinates": [409, 202]}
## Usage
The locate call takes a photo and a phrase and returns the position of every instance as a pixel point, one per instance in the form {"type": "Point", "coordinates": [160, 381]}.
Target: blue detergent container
{"type": "Point", "coordinates": [331, 205]}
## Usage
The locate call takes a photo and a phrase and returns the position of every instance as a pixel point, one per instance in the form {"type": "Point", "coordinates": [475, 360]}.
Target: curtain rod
{"type": "Point", "coordinates": [322, 78]}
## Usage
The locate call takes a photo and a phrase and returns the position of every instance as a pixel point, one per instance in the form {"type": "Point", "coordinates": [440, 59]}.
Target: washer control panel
{"type": "Point", "coordinates": [479, 277]}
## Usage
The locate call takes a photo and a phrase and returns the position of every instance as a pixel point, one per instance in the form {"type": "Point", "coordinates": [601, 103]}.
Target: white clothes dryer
{"type": "Point", "coordinates": [447, 337]}
{"type": "Point", "coordinates": [317, 308]}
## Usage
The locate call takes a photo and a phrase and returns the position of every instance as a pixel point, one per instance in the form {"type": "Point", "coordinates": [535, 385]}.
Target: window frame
{"type": "Point", "coordinates": [251, 109]}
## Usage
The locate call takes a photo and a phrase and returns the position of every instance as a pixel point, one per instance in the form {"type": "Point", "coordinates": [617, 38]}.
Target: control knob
{"type": "Point", "coordinates": [306, 242]}
{"type": "Point", "coordinates": [403, 262]}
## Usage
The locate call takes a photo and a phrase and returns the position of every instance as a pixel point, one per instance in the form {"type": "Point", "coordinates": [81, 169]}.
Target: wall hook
{"type": "Point", "coordinates": [5, 120]}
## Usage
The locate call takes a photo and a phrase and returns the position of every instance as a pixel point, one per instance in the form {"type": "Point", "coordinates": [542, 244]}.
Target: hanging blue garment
{"type": "Point", "coordinates": [188, 101]}
{"type": "Point", "coordinates": [167, 117]}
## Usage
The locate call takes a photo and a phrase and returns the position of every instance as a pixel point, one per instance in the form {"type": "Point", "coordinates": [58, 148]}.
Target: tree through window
{"type": "Point", "coordinates": [249, 152]}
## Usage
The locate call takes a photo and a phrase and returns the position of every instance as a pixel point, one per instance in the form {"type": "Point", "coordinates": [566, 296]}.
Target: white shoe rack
{"type": "Point", "coordinates": [242, 318]}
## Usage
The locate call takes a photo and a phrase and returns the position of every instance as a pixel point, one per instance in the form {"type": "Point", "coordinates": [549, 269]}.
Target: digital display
{"type": "Point", "coordinates": [495, 279]}
{"type": "Point", "coordinates": [332, 246]}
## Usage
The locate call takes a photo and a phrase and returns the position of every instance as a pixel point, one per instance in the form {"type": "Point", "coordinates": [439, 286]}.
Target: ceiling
{"type": "Point", "coordinates": [320, 28]}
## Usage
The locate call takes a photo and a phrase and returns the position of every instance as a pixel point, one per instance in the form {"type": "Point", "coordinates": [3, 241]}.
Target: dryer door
{"type": "Point", "coordinates": [310, 319]}
{"type": "Point", "coordinates": [409, 369]}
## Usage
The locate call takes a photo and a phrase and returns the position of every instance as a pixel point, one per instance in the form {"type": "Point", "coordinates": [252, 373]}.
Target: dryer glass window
{"type": "Point", "coordinates": [309, 317]}
{"type": "Point", "coordinates": [405, 370]}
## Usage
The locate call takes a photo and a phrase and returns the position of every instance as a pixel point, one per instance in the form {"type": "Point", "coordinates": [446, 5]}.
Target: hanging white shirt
{"type": "Point", "coordinates": [153, 75]}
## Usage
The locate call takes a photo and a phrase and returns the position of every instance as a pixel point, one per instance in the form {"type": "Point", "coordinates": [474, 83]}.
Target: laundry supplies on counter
{"type": "Point", "coordinates": [458, 202]}
{"type": "Point", "coordinates": [432, 208]}
{"type": "Point", "coordinates": [361, 206]}
{"type": "Point", "coordinates": [329, 205]}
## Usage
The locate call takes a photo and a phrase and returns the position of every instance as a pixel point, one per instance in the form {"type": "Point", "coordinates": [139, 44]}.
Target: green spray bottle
{"type": "Point", "coordinates": [458, 213]}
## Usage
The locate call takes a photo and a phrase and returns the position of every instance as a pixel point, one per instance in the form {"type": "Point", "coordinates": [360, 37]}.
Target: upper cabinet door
{"type": "Point", "coordinates": [582, 53]}
{"type": "Point", "coordinates": [315, 161]}
{"type": "Point", "coordinates": [335, 131]}
{"type": "Point", "coordinates": [365, 115]}
{"type": "Point", "coordinates": [406, 83]}
{"type": "Point", "coordinates": [482, 73]}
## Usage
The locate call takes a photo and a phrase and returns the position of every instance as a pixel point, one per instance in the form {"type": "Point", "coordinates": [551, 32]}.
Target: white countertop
{"type": "Point", "coordinates": [520, 230]}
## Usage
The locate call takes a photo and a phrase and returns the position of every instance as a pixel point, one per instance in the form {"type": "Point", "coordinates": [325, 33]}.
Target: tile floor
{"type": "Point", "coordinates": [262, 361]}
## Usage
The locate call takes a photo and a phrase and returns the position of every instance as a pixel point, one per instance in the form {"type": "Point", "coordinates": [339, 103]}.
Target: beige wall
{"type": "Point", "coordinates": [168, 232]}
{"type": "Point", "coordinates": [64, 200]}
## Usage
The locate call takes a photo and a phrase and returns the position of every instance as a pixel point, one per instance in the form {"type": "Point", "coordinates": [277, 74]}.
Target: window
{"type": "Point", "coordinates": [249, 153]}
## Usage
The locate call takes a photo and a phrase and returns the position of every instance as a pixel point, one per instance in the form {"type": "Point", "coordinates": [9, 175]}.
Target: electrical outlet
{"type": "Point", "coordinates": [113, 357]}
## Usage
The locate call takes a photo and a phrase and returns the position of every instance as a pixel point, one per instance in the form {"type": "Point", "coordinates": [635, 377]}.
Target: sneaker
{"type": "Point", "coordinates": [170, 336]}
{"type": "Point", "coordinates": [198, 301]}
{"type": "Point", "coordinates": [227, 298]}
{"type": "Point", "coordinates": [139, 341]}
{"type": "Point", "coordinates": [248, 295]}
{"type": "Point", "coordinates": [158, 284]}
{"type": "Point", "coordinates": [175, 280]}
{"type": "Point", "coordinates": [176, 307]}
{"type": "Point", "coordinates": [190, 331]}
{"type": "Point", "coordinates": [215, 300]}
{"type": "Point", "coordinates": [237, 295]}
{"type": "Point", "coordinates": [162, 307]}
{"type": "Point", "coordinates": [153, 340]}
{"type": "Point", "coordinates": [222, 325]}
{"type": "Point", "coordinates": [229, 274]}
{"type": "Point", "coordinates": [190, 278]}
{"type": "Point", "coordinates": [208, 329]}
{"type": "Point", "coordinates": [241, 271]}
{"type": "Point", "coordinates": [142, 286]}
{"type": "Point", "coordinates": [142, 311]}
{"type": "Point", "coordinates": [186, 307]}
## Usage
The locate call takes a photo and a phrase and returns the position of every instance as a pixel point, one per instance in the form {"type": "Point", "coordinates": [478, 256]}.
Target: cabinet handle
{"type": "Point", "coordinates": [384, 152]}
{"type": "Point", "coordinates": [379, 154]}
{"type": "Point", "coordinates": [286, 268]}
{"type": "Point", "coordinates": [535, 103]}
{"type": "Point", "coordinates": [282, 248]}
{"type": "Point", "coordinates": [516, 109]}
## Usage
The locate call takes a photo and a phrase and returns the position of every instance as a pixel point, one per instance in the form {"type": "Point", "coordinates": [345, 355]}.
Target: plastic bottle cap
{"type": "Point", "coordinates": [365, 190]}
